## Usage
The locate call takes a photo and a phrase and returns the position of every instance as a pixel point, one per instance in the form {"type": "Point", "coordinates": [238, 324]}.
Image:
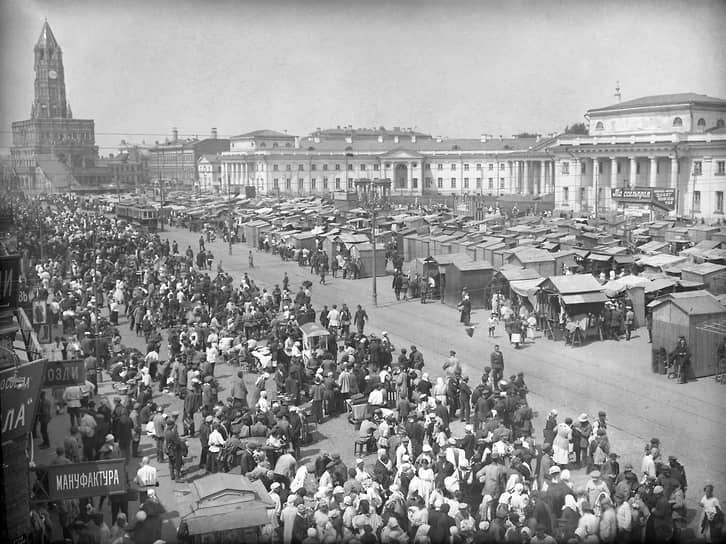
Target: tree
{"type": "Point", "coordinates": [576, 128]}
{"type": "Point", "coordinates": [526, 135]}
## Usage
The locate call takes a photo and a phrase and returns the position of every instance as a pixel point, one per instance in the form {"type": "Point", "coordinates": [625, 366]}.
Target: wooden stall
{"type": "Point", "coordinates": [682, 314]}
{"type": "Point", "coordinates": [476, 276]}
{"type": "Point", "coordinates": [365, 252]}
{"type": "Point", "coordinates": [712, 276]}
{"type": "Point", "coordinates": [707, 337]}
{"type": "Point", "coordinates": [535, 259]}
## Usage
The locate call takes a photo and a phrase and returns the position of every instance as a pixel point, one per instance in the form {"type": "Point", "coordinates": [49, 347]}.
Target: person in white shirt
{"type": "Point", "coordinates": [375, 398]}
{"type": "Point", "coordinates": [146, 478]}
{"type": "Point", "coordinates": [215, 442]}
{"type": "Point", "coordinates": [334, 318]}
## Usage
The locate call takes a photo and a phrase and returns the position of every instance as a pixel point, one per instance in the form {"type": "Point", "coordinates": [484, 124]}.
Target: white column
{"type": "Point", "coordinates": [510, 166]}
{"type": "Point", "coordinates": [674, 173]}
{"type": "Point", "coordinates": [525, 182]}
{"type": "Point", "coordinates": [653, 171]}
{"type": "Point", "coordinates": [595, 185]}
{"type": "Point", "coordinates": [633, 174]}
{"type": "Point", "coordinates": [409, 175]}
{"type": "Point", "coordinates": [613, 172]}
{"type": "Point", "coordinates": [542, 177]}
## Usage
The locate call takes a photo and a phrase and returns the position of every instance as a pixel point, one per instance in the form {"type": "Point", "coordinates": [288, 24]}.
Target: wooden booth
{"type": "Point", "coordinates": [688, 314]}
{"type": "Point", "coordinates": [712, 276]}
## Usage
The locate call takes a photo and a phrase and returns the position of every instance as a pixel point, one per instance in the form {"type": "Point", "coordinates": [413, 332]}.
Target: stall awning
{"type": "Point", "coordinates": [584, 298]}
{"type": "Point", "coordinates": [525, 288]}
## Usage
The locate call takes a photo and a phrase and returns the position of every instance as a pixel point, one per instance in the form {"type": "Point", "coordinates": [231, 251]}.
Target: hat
{"type": "Point", "coordinates": [672, 458]}
{"type": "Point", "coordinates": [338, 489]}
{"type": "Point", "coordinates": [209, 419]}
{"type": "Point", "coordinates": [468, 427]}
{"type": "Point", "coordinates": [359, 461]}
{"type": "Point", "coordinates": [627, 467]}
{"type": "Point", "coordinates": [582, 418]}
{"type": "Point", "coordinates": [595, 474]}
{"type": "Point", "coordinates": [274, 485]}
{"type": "Point", "coordinates": [601, 413]}
{"type": "Point", "coordinates": [657, 490]}
{"type": "Point", "coordinates": [426, 448]}
{"type": "Point", "coordinates": [159, 409]}
{"type": "Point", "coordinates": [554, 470]}
{"type": "Point", "coordinates": [110, 438]}
{"type": "Point", "coordinates": [384, 333]}
{"type": "Point", "coordinates": [613, 455]}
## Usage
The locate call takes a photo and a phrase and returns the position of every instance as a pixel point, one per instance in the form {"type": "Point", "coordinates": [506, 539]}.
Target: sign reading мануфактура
{"type": "Point", "coordinates": [78, 480]}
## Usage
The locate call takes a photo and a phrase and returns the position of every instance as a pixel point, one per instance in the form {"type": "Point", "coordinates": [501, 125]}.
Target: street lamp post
{"type": "Point", "coordinates": [374, 203]}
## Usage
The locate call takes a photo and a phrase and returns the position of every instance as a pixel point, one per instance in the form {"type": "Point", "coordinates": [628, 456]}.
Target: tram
{"type": "Point", "coordinates": [139, 215]}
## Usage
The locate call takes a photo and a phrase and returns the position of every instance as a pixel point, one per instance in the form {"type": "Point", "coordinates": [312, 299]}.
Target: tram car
{"type": "Point", "coordinates": [139, 215]}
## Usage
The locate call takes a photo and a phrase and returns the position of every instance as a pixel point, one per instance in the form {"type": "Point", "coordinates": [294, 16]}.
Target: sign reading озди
{"type": "Point", "coordinates": [64, 373]}
{"type": "Point", "coordinates": [90, 479]}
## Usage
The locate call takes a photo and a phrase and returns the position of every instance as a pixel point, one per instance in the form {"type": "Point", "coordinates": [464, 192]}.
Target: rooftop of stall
{"type": "Point", "coordinates": [713, 276]}
{"type": "Point", "coordinates": [659, 261]}
{"type": "Point", "coordinates": [720, 236]}
{"type": "Point", "coordinates": [502, 279]}
{"type": "Point", "coordinates": [536, 259]}
{"type": "Point", "coordinates": [696, 233]}
{"type": "Point", "coordinates": [681, 314]}
{"type": "Point", "coordinates": [580, 293]}
{"type": "Point", "coordinates": [652, 247]}
{"type": "Point", "coordinates": [657, 230]}
{"type": "Point", "coordinates": [481, 247]}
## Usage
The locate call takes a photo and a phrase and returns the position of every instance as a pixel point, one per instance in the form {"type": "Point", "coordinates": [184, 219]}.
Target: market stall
{"type": "Point", "coordinates": [685, 314]}
{"type": "Point", "coordinates": [575, 301]}
{"type": "Point", "coordinates": [224, 508]}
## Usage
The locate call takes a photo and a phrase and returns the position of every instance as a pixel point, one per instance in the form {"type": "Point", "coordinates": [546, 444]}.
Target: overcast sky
{"type": "Point", "coordinates": [452, 68]}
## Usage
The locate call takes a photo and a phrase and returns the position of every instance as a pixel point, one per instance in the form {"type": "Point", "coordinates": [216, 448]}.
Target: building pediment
{"type": "Point", "coordinates": [401, 154]}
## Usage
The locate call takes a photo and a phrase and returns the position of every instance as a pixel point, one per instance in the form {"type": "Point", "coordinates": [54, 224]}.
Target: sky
{"type": "Point", "coordinates": [455, 68]}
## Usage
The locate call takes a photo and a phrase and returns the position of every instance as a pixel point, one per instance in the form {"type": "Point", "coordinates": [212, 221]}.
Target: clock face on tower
{"type": "Point", "coordinates": [52, 74]}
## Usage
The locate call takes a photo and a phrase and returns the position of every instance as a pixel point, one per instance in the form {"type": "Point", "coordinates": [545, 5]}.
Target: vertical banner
{"type": "Point", "coordinates": [19, 391]}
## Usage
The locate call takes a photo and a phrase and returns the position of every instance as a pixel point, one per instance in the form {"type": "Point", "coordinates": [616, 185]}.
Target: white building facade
{"type": "Point", "coordinates": [675, 142]}
{"type": "Point", "coordinates": [416, 164]}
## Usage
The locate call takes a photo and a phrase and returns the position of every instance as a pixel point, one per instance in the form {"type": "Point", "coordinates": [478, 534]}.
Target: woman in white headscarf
{"type": "Point", "coordinates": [561, 443]}
{"type": "Point", "coordinates": [426, 480]}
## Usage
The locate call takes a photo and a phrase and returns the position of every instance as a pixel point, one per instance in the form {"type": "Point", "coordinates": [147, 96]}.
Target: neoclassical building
{"type": "Point", "coordinates": [651, 145]}
{"type": "Point", "coordinates": [416, 163]}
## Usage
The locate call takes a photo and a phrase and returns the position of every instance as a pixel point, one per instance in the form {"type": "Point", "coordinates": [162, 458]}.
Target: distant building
{"type": "Point", "coordinates": [126, 172]}
{"type": "Point", "coordinates": [416, 163]}
{"type": "Point", "coordinates": [209, 168]}
{"type": "Point", "coordinates": [658, 144]}
{"type": "Point", "coordinates": [175, 161]}
{"type": "Point", "coordinates": [51, 151]}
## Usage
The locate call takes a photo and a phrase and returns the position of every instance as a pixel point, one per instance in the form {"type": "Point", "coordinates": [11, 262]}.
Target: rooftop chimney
{"type": "Point", "coordinates": [395, 139]}
{"type": "Point", "coordinates": [484, 138]}
{"type": "Point", "coordinates": [174, 134]}
{"type": "Point", "coordinates": [214, 133]}
{"type": "Point", "coordinates": [380, 138]}
{"type": "Point", "coordinates": [413, 138]}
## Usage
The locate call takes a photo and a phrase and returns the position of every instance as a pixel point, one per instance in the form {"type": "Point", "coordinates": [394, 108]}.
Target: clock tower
{"type": "Point", "coordinates": [52, 151]}
{"type": "Point", "coordinates": [50, 86]}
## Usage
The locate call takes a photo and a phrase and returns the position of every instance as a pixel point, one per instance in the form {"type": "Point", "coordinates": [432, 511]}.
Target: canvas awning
{"type": "Point", "coordinates": [525, 288]}
{"type": "Point", "coordinates": [584, 298]}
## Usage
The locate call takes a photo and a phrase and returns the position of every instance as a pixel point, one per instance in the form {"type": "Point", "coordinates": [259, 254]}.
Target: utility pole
{"type": "Point", "coordinates": [229, 204]}
{"type": "Point", "coordinates": [373, 243]}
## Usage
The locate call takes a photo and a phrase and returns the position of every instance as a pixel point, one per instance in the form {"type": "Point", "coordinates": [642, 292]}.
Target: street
{"type": "Point", "coordinates": [612, 376]}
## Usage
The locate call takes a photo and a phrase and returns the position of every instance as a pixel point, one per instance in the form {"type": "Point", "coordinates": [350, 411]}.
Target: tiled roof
{"type": "Point", "coordinates": [453, 145]}
{"type": "Point", "coordinates": [264, 133]}
{"type": "Point", "coordinates": [665, 100]}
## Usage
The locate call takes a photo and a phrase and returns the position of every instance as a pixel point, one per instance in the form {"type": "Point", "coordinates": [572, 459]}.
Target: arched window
{"type": "Point", "coordinates": [701, 122]}
{"type": "Point", "coordinates": [599, 125]}
{"type": "Point", "coordinates": [677, 122]}
{"type": "Point", "coordinates": [719, 123]}
{"type": "Point", "coordinates": [263, 144]}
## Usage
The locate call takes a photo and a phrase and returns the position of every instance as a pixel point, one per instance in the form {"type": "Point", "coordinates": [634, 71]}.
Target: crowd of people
{"type": "Point", "coordinates": [439, 456]}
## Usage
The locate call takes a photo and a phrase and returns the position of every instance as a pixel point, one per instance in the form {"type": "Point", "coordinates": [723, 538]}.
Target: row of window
{"type": "Point", "coordinates": [677, 122]}
{"type": "Point", "coordinates": [718, 204]}
{"type": "Point", "coordinates": [313, 184]}
{"type": "Point", "coordinates": [697, 168]}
